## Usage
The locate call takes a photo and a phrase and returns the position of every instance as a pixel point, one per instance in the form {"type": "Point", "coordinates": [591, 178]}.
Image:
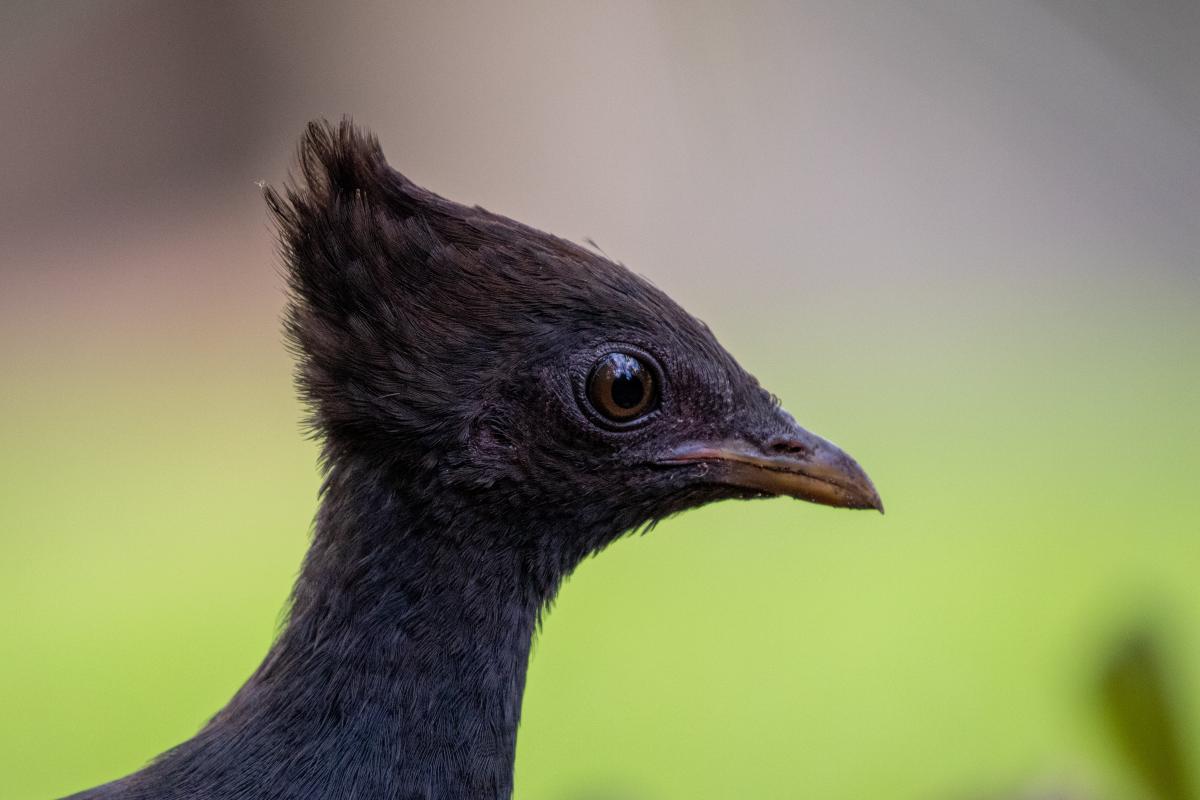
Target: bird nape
{"type": "Point", "coordinates": [494, 404]}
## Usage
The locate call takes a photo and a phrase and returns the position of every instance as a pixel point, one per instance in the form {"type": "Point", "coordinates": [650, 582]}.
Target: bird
{"type": "Point", "coordinates": [494, 404]}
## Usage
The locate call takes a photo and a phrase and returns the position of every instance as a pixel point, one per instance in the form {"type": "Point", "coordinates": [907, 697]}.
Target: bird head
{"type": "Point", "coordinates": [533, 379]}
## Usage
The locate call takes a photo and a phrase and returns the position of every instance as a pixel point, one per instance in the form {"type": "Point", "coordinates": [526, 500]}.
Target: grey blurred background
{"type": "Point", "coordinates": [874, 143]}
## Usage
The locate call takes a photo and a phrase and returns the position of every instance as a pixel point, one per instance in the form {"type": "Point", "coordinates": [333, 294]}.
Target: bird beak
{"type": "Point", "coordinates": [800, 465]}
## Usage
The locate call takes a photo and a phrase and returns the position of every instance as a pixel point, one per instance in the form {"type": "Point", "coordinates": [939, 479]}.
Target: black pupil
{"type": "Point", "coordinates": [628, 386]}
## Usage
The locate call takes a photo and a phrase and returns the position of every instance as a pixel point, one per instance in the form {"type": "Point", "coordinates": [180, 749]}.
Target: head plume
{"type": "Point", "coordinates": [409, 313]}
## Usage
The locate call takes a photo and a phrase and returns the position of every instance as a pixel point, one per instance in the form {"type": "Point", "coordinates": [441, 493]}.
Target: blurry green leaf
{"type": "Point", "coordinates": [1138, 705]}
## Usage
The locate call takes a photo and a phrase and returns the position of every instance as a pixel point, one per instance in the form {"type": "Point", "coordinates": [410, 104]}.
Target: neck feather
{"type": "Point", "coordinates": [401, 668]}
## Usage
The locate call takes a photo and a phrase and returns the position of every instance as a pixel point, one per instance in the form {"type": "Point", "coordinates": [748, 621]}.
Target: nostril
{"type": "Point", "coordinates": [788, 446]}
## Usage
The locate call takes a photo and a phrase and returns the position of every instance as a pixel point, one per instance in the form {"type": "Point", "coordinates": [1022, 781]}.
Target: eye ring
{"type": "Point", "coordinates": [623, 387]}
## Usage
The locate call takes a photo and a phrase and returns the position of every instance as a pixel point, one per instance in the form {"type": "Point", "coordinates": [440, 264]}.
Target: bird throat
{"type": "Point", "coordinates": [401, 668]}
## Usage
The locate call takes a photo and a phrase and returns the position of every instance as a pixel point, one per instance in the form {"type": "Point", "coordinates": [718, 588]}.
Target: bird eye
{"type": "Point", "coordinates": [621, 387]}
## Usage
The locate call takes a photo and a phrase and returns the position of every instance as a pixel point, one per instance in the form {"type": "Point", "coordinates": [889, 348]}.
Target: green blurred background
{"type": "Point", "coordinates": [961, 240]}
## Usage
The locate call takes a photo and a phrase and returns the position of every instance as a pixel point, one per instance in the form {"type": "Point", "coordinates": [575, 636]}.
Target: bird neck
{"type": "Point", "coordinates": [401, 668]}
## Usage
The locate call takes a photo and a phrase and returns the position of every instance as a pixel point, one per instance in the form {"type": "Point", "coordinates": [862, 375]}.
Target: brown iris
{"type": "Point", "coordinates": [621, 387]}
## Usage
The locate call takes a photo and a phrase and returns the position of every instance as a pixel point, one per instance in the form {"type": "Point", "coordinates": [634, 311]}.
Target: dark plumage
{"type": "Point", "coordinates": [495, 404]}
